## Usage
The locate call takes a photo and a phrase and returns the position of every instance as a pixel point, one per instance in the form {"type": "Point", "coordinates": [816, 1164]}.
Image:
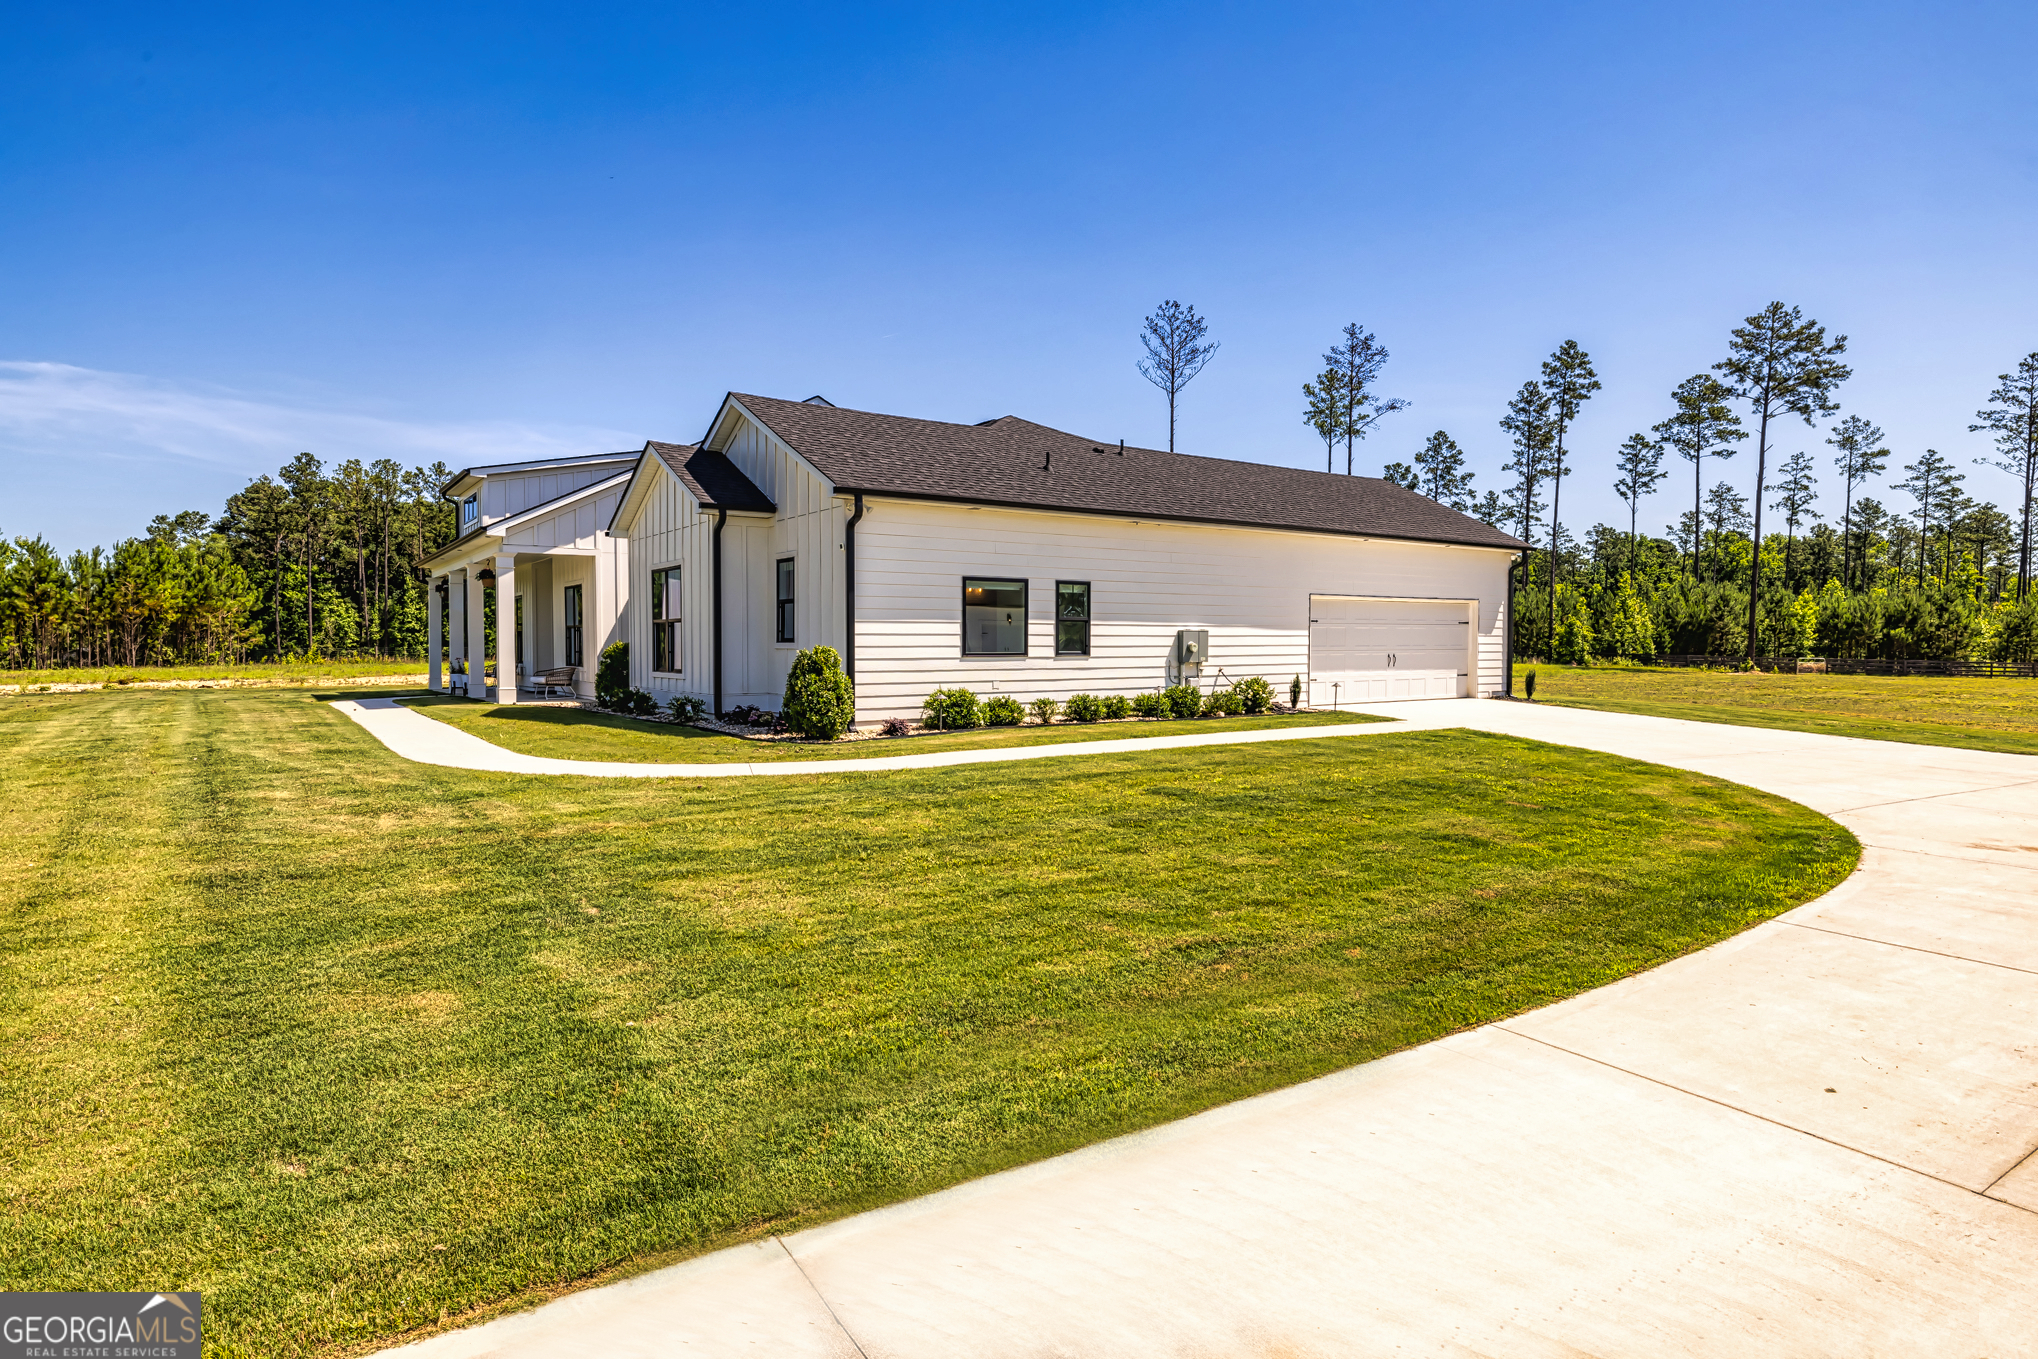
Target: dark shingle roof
{"type": "Point", "coordinates": [712, 478]}
{"type": "Point", "coordinates": [1010, 461]}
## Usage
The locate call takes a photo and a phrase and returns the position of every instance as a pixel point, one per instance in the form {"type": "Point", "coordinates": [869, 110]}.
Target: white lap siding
{"type": "Point", "coordinates": [1249, 587]}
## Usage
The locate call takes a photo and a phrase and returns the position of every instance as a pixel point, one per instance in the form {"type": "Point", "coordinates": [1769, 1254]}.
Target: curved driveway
{"type": "Point", "coordinates": [1815, 1138]}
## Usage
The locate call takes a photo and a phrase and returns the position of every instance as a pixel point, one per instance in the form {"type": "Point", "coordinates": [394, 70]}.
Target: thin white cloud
{"type": "Point", "coordinates": [56, 408]}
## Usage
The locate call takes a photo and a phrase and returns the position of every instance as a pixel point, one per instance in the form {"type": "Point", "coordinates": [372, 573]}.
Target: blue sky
{"type": "Point", "coordinates": [494, 232]}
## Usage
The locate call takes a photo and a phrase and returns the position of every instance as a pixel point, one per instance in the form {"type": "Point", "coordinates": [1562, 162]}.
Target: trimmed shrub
{"type": "Point", "coordinates": [1044, 710]}
{"type": "Point", "coordinates": [1086, 708]}
{"type": "Point", "coordinates": [637, 703]}
{"type": "Point", "coordinates": [1004, 711]}
{"type": "Point", "coordinates": [1222, 703]}
{"type": "Point", "coordinates": [820, 702]}
{"type": "Point", "coordinates": [686, 708]}
{"type": "Point", "coordinates": [1255, 695]}
{"type": "Point", "coordinates": [1183, 701]}
{"type": "Point", "coordinates": [1150, 705]}
{"type": "Point", "coordinates": [897, 726]}
{"type": "Point", "coordinates": [952, 710]}
{"type": "Point", "coordinates": [750, 715]}
{"type": "Point", "coordinates": [612, 674]}
{"type": "Point", "coordinates": [1116, 706]}
{"type": "Point", "coordinates": [1295, 694]}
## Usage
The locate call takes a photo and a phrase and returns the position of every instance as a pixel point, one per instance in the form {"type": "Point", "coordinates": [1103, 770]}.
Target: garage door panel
{"type": "Point", "coordinates": [1384, 650]}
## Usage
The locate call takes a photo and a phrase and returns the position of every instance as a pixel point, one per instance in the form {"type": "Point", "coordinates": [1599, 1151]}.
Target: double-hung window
{"type": "Point", "coordinates": [665, 621]}
{"type": "Point", "coordinates": [785, 599]}
{"type": "Point", "coordinates": [470, 510]}
{"type": "Point", "coordinates": [1072, 618]}
{"type": "Point", "coordinates": [993, 617]}
{"type": "Point", "coordinates": [571, 613]}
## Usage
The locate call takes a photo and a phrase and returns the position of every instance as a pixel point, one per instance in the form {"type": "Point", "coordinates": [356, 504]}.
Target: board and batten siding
{"type": "Point", "coordinates": [1250, 587]}
{"type": "Point", "coordinates": [504, 494]}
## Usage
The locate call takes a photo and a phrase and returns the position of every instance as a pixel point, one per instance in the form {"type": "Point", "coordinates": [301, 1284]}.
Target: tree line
{"type": "Point", "coordinates": [305, 563]}
{"type": "Point", "coordinates": [1949, 576]}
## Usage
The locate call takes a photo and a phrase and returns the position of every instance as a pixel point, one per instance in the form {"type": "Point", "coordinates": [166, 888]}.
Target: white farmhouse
{"type": "Point", "coordinates": [1010, 558]}
{"type": "Point", "coordinates": [537, 533]}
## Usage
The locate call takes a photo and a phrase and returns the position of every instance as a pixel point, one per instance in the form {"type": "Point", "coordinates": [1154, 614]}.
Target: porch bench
{"type": "Point", "coordinates": [560, 677]}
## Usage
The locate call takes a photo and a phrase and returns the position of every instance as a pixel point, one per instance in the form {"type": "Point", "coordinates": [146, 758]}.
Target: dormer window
{"type": "Point", "coordinates": [470, 510]}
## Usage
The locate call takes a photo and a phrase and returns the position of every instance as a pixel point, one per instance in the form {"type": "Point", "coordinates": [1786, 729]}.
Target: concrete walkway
{"type": "Point", "coordinates": [428, 741]}
{"type": "Point", "coordinates": [1814, 1139]}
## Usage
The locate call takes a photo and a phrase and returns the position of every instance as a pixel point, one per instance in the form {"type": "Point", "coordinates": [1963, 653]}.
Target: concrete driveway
{"type": "Point", "coordinates": [1814, 1139]}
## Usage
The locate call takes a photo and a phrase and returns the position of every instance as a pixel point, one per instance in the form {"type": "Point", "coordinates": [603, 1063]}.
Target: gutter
{"type": "Point", "coordinates": [721, 518]}
{"type": "Point", "coordinates": [1512, 568]}
{"type": "Point", "coordinates": [849, 591]}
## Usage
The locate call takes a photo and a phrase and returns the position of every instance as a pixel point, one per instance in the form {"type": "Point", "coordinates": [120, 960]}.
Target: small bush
{"type": "Point", "coordinates": [952, 710]}
{"type": "Point", "coordinates": [1183, 701]}
{"type": "Point", "coordinates": [1150, 705]}
{"type": "Point", "coordinates": [1222, 703]}
{"type": "Point", "coordinates": [1086, 708]}
{"type": "Point", "coordinates": [1117, 706]}
{"type": "Point", "coordinates": [686, 708]}
{"type": "Point", "coordinates": [749, 715]}
{"type": "Point", "coordinates": [1295, 694]}
{"type": "Point", "coordinates": [1044, 710]}
{"type": "Point", "coordinates": [820, 702]}
{"type": "Point", "coordinates": [1004, 711]}
{"type": "Point", "coordinates": [897, 726]}
{"type": "Point", "coordinates": [636, 702]}
{"type": "Point", "coordinates": [1255, 695]}
{"type": "Point", "coordinates": [612, 675]}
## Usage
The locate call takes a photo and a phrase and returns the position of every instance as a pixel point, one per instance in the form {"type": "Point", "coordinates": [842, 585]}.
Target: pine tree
{"type": "Point", "coordinates": [2014, 418]}
{"type": "Point", "coordinates": [1640, 464]}
{"type": "Point", "coordinates": [1858, 454]}
{"type": "Point", "coordinates": [1175, 353]}
{"type": "Point", "coordinates": [1569, 378]}
{"type": "Point", "coordinates": [1444, 479]}
{"type": "Point", "coordinates": [1780, 364]}
{"type": "Point", "coordinates": [1795, 498]}
{"type": "Point", "coordinates": [1358, 362]}
{"type": "Point", "coordinates": [1324, 411]}
{"type": "Point", "coordinates": [1528, 421]}
{"type": "Point", "coordinates": [1704, 426]}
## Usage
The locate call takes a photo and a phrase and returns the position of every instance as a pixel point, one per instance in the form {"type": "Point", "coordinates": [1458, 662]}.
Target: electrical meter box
{"type": "Point", "coordinates": [1192, 649]}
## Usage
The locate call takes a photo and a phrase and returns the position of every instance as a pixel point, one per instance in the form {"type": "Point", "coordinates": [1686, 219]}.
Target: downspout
{"type": "Point", "coordinates": [849, 591]}
{"type": "Point", "coordinates": [1512, 568]}
{"type": "Point", "coordinates": [721, 518]}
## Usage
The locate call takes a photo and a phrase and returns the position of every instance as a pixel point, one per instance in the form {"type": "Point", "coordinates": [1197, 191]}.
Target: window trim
{"type": "Point", "coordinates": [572, 624]}
{"type": "Point", "coordinates": [1025, 628]}
{"type": "Point", "coordinates": [1089, 608]}
{"type": "Point", "coordinates": [657, 620]}
{"type": "Point", "coordinates": [785, 614]}
{"type": "Point", "coordinates": [470, 509]}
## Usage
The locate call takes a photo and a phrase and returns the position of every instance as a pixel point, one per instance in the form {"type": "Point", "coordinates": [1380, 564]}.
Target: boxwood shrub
{"type": "Point", "coordinates": [1085, 708]}
{"type": "Point", "coordinates": [1004, 711]}
{"type": "Point", "coordinates": [1183, 700]}
{"type": "Point", "coordinates": [820, 702]}
{"type": "Point", "coordinates": [952, 710]}
{"type": "Point", "coordinates": [1255, 695]}
{"type": "Point", "coordinates": [1116, 706]}
{"type": "Point", "coordinates": [1150, 705]}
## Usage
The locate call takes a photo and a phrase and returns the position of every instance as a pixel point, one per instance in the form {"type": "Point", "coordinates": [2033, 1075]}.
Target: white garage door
{"type": "Point", "coordinates": [1375, 650]}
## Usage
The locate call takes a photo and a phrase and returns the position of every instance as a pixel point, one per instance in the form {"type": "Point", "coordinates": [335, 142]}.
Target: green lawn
{"type": "Point", "coordinates": [577, 734]}
{"type": "Point", "coordinates": [1977, 714]}
{"type": "Point", "coordinates": [281, 672]}
{"type": "Point", "coordinates": [355, 1045]}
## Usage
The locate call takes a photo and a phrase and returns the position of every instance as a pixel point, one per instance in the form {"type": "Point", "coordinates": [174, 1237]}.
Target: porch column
{"type": "Point", "coordinates": [432, 629]}
{"type": "Point", "coordinates": [477, 635]}
{"type": "Point", "coordinates": [505, 629]}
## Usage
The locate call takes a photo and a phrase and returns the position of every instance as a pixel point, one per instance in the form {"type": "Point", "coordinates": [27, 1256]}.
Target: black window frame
{"type": "Point", "coordinates": [785, 590]}
{"type": "Point", "coordinates": [470, 510]}
{"type": "Point", "coordinates": [1025, 614]}
{"type": "Point", "coordinates": [573, 617]}
{"type": "Point", "coordinates": [665, 654]}
{"type": "Point", "coordinates": [1061, 618]}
